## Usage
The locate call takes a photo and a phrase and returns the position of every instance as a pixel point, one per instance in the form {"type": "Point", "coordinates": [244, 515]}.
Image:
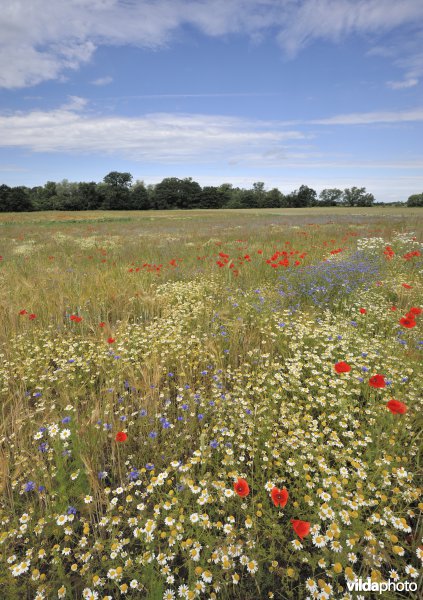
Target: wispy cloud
{"type": "Point", "coordinates": [161, 137]}
{"type": "Point", "coordinates": [369, 118]}
{"type": "Point", "coordinates": [102, 80]}
{"type": "Point", "coordinates": [12, 169]}
{"type": "Point", "coordinates": [39, 40]}
{"type": "Point", "coordinates": [402, 85]}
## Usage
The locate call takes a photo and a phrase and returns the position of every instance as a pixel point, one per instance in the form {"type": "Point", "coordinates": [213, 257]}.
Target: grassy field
{"type": "Point", "coordinates": [199, 404]}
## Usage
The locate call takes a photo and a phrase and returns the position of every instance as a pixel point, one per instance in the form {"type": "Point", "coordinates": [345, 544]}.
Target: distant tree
{"type": "Point", "coordinates": [67, 196]}
{"type": "Point", "coordinates": [44, 197]}
{"type": "Point", "coordinates": [15, 199]}
{"type": "Point", "coordinates": [172, 192]}
{"type": "Point", "coordinates": [4, 198]}
{"type": "Point", "coordinates": [211, 197]}
{"type": "Point", "coordinates": [302, 197]}
{"type": "Point", "coordinates": [259, 193]}
{"type": "Point", "coordinates": [273, 199]}
{"type": "Point", "coordinates": [139, 197]}
{"type": "Point", "coordinates": [415, 200]}
{"type": "Point", "coordinates": [227, 191]}
{"type": "Point", "coordinates": [357, 197]}
{"type": "Point", "coordinates": [116, 191]}
{"type": "Point", "coordinates": [291, 199]}
{"type": "Point", "coordinates": [306, 196]}
{"type": "Point", "coordinates": [249, 198]}
{"type": "Point", "coordinates": [235, 200]}
{"type": "Point", "coordinates": [21, 199]}
{"type": "Point", "coordinates": [118, 179]}
{"type": "Point", "coordinates": [89, 195]}
{"type": "Point", "coordinates": [330, 197]}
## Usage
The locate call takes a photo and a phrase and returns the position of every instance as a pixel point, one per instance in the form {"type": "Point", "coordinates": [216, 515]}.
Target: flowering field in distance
{"type": "Point", "coordinates": [210, 404]}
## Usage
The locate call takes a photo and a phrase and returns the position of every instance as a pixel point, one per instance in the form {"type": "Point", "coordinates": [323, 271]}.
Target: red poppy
{"type": "Point", "coordinates": [396, 407]}
{"type": "Point", "coordinates": [377, 381]}
{"type": "Point", "coordinates": [110, 340]}
{"type": "Point", "coordinates": [75, 318]}
{"type": "Point", "coordinates": [279, 497]}
{"type": "Point", "coordinates": [406, 286]}
{"type": "Point", "coordinates": [102, 324]}
{"type": "Point", "coordinates": [301, 528]}
{"type": "Point", "coordinates": [363, 311]}
{"type": "Point", "coordinates": [342, 367]}
{"type": "Point", "coordinates": [241, 487]}
{"type": "Point", "coordinates": [23, 312]}
{"type": "Point", "coordinates": [32, 316]}
{"type": "Point", "coordinates": [407, 322]}
{"type": "Point", "coordinates": [121, 436]}
{"type": "Point", "coordinates": [415, 310]}
{"type": "Point", "coordinates": [393, 308]}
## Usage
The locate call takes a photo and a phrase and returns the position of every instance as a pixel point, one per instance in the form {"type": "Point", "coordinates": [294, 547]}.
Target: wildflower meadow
{"type": "Point", "coordinates": [210, 404]}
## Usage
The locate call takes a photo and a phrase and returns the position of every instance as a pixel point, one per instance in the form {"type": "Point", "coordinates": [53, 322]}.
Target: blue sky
{"type": "Point", "coordinates": [326, 93]}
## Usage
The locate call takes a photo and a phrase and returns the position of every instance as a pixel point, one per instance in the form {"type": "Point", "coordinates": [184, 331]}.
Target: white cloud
{"type": "Point", "coordinates": [335, 19]}
{"type": "Point", "coordinates": [40, 39]}
{"type": "Point", "coordinates": [102, 80]}
{"type": "Point", "coordinates": [402, 85]}
{"type": "Point", "coordinates": [369, 118]}
{"type": "Point", "coordinates": [161, 138]}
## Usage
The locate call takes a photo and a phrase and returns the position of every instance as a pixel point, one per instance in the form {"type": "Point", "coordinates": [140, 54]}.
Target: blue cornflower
{"type": "Point", "coordinates": [133, 475]}
{"type": "Point", "coordinates": [184, 407]}
{"type": "Point", "coordinates": [67, 420]}
{"type": "Point", "coordinates": [200, 416]}
{"type": "Point", "coordinates": [149, 466]}
{"type": "Point", "coordinates": [214, 444]}
{"type": "Point", "coordinates": [143, 412]}
{"type": "Point", "coordinates": [71, 510]}
{"type": "Point", "coordinates": [152, 434]}
{"type": "Point", "coordinates": [43, 447]}
{"type": "Point", "coordinates": [29, 487]}
{"type": "Point", "coordinates": [102, 474]}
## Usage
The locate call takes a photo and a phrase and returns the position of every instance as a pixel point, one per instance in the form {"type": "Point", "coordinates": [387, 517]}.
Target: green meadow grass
{"type": "Point", "coordinates": [209, 338]}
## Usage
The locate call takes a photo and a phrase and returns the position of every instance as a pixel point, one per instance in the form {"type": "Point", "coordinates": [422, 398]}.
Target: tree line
{"type": "Point", "coordinates": [117, 191]}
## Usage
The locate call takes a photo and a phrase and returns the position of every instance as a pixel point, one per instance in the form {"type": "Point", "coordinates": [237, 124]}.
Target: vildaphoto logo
{"type": "Point", "coordinates": [367, 585]}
